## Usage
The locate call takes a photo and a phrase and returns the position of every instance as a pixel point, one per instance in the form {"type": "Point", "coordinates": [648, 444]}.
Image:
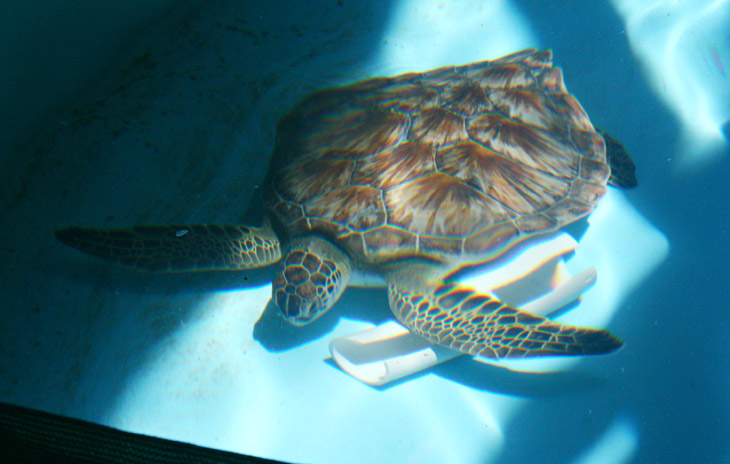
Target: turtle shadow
{"type": "Point", "coordinates": [493, 379]}
{"type": "Point", "coordinates": [275, 334]}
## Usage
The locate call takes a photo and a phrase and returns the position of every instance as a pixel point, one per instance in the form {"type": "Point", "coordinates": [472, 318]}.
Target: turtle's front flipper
{"type": "Point", "coordinates": [479, 324]}
{"type": "Point", "coordinates": [178, 248]}
{"type": "Point", "coordinates": [310, 279]}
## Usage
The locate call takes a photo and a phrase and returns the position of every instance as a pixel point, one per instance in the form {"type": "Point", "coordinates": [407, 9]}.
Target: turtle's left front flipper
{"type": "Point", "coordinates": [479, 324]}
{"type": "Point", "coordinates": [178, 248]}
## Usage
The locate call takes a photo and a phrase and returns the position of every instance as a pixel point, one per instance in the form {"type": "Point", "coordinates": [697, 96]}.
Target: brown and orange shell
{"type": "Point", "coordinates": [458, 161]}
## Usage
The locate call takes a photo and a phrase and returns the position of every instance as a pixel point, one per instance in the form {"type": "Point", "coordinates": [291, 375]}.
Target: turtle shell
{"type": "Point", "coordinates": [452, 163]}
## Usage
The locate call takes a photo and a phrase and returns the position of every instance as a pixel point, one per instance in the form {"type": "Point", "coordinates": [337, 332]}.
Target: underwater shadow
{"type": "Point", "coordinates": [480, 376]}
{"type": "Point", "coordinates": [275, 334]}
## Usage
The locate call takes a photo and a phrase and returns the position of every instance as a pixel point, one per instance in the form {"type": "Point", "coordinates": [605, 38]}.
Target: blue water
{"type": "Point", "coordinates": [114, 116]}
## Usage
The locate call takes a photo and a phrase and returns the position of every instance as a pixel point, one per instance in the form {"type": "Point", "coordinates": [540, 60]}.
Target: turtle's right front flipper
{"type": "Point", "coordinates": [178, 248]}
{"type": "Point", "coordinates": [480, 324]}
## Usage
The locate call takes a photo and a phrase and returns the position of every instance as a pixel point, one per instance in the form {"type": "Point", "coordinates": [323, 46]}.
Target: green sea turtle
{"type": "Point", "coordinates": [409, 178]}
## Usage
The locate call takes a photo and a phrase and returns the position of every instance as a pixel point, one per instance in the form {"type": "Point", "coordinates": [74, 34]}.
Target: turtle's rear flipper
{"type": "Point", "coordinates": [479, 324]}
{"type": "Point", "coordinates": [623, 169]}
{"type": "Point", "coordinates": [178, 248]}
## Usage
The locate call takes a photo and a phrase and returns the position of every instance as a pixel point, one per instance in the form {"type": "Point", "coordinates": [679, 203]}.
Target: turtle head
{"type": "Point", "coordinates": [310, 279]}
